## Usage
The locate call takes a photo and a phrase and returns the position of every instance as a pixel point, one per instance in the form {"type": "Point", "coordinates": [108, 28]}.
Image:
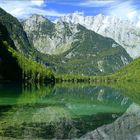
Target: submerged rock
{"type": "Point", "coordinates": [126, 127]}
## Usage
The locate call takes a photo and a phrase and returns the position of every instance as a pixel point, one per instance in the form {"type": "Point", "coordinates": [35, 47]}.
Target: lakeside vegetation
{"type": "Point", "coordinates": [31, 70]}
{"type": "Point", "coordinates": [35, 72]}
{"type": "Point", "coordinates": [130, 73]}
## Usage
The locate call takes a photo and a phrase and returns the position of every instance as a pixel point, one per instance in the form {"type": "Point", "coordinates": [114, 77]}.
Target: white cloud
{"type": "Point", "coordinates": [38, 2]}
{"type": "Point", "coordinates": [132, 15]}
{"type": "Point", "coordinates": [96, 3]}
{"type": "Point", "coordinates": [88, 3]}
{"type": "Point", "coordinates": [125, 10]}
{"type": "Point", "coordinates": [117, 8]}
{"type": "Point", "coordinates": [24, 9]}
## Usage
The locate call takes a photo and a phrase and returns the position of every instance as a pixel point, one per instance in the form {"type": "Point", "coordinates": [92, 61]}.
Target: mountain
{"type": "Point", "coordinates": [16, 54]}
{"type": "Point", "coordinates": [92, 54]}
{"type": "Point", "coordinates": [75, 49]}
{"type": "Point", "coordinates": [123, 32]}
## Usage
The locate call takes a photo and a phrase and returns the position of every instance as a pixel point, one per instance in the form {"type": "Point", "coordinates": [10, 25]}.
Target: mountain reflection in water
{"type": "Point", "coordinates": [68, 112]}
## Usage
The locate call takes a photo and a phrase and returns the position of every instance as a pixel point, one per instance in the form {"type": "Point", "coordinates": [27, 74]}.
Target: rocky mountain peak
{"type": "Point", "coordinates": [36, 22]}
{"type": "Point", "coordinates": [37, 18]}
{"type": "Point", "coordinates": [124, 32]}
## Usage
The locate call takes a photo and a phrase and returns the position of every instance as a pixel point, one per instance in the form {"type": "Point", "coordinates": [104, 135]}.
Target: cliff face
{"type": "Point", "coordinates": [15, 32]}
{"type": "Point", "coordinates": [47, 37]}
{"type": "Point", "coordinates": [12, 34]}
{"type": "Point", "coordinates": [9, 68]}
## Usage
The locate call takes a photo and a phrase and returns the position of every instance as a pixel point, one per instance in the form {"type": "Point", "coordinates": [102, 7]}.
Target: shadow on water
{"type": "Point", "coordinates": [60, 111]}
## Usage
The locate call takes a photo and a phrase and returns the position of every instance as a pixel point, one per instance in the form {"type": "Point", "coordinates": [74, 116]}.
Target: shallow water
{"type": "Point", "coordinates": [64, 112]}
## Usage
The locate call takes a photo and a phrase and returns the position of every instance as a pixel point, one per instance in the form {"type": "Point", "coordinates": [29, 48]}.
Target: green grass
{"type": "Point", "coordinates": [129, 73]}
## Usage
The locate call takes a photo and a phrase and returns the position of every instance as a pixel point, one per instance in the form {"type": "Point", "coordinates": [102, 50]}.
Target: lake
{"type": "Point", "coordinates": [69, 111]}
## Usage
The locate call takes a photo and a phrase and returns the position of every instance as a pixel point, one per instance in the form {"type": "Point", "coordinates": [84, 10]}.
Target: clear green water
{"type": "Point", "coordinates": [59, 112]}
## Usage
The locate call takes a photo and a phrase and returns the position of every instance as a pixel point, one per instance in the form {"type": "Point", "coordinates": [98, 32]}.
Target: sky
{"type": "Point", "coordinates": [126, 9]}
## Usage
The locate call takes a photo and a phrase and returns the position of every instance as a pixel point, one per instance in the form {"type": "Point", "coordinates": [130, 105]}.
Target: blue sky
{"type": "Point", "coordinates": [128, 9]}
